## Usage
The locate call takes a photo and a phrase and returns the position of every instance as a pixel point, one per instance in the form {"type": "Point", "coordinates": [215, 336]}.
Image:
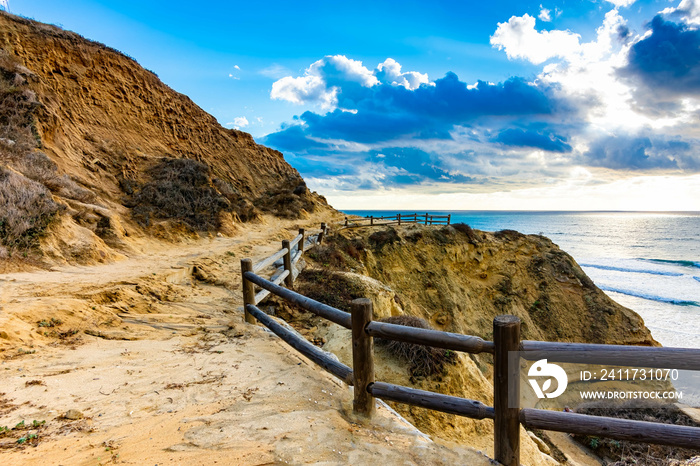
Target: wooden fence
{"type": "Point", "coordinates": [398, 219]}
{"type": "Point", "coordinates": [506, 333]}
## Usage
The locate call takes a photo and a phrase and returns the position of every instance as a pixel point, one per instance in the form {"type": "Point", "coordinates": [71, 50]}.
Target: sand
{"type": "Point", "coordinates": [146, 364]}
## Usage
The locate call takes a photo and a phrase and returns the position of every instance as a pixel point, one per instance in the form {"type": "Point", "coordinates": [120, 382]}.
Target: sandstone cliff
{"type": "Point", "coordinates": [459, 279]}
{"type": "Point", "coordinates": [101, 134]}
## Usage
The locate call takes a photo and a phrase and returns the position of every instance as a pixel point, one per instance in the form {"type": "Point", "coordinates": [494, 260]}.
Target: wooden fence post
{"type": "Point", "coordinates": [323, 232]}
{"type": "Point", "coordinates": [399, 219]}
{"type": "Point", "coordinates": [287, 259]}
{"type": "Point", "coordinates": [248, 289]}
{"type": "Point", "coordinates": [371, 220]}
{"type": "Point", "coordinates": [346, 221]}
{"type": "Point", "coordinates": [448, 218]}
{"type": "Point", "coordinates": [506, 383]}
{"type": "Point", "coordinates": [426, 218]}
{"type": "Point", "coordinates": [362, 357]}
{"type": "Point", "coordinates": [301, 241]}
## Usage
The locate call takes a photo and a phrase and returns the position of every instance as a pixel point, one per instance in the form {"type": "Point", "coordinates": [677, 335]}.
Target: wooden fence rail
{"type": "Point", "coordinates": [398, 219]}
{"type": "Point", "coordinates": [506, 413]}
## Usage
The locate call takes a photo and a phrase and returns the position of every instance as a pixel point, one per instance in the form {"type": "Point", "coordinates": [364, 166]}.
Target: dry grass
{"type": "Point", "coordinates": [39, 167]}
{"type": "Point", "coordinates": [17, 106]}
{"type": "Point", "coordinates": [424, 360]}
{"type": "Point", "coordinates": [26, 210]}
{"type": "Point", "coordinates": [625, 453]}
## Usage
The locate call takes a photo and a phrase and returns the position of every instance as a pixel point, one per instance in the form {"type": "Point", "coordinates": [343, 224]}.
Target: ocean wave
{"type": "Point", "coordinates": [650, 297]}
{"type": "Point", "coordinates": [692, 264]}
{"type": "Point", "coordinates": [625, 269]}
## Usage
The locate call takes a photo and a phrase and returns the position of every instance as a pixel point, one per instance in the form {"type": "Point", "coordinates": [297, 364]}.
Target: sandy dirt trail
{"type": "Point", "coordinates": [148, 361]}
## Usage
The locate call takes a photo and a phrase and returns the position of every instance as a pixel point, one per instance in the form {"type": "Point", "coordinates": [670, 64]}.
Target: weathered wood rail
{"type": "Point", "coordinates": [398, 219]}
{"type": "Point", "coordinates": [506, 413]}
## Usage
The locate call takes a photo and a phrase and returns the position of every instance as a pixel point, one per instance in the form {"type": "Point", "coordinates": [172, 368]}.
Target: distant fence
{"type": "Point", "coordinates": [398, 219]}
{"type": "Point", "coordinates": [506, 335]}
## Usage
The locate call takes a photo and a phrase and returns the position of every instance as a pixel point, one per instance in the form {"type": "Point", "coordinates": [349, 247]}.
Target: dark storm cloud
{"type": "Point", "coordinates": [385, 112]}
{"type": "Point", "coordinates": [641, 153]}
{"type": "Point", "coordinates": [668, 61]}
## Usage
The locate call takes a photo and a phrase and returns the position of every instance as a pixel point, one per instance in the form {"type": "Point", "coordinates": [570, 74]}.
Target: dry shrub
{"type": "Point", "coordinates": [39, 167]}
{"type": "Point", "coordinates": [17, 106]}
{"type": "Point", "coordinates": [623, 452]}
{"type": "Point", "coordinates": [245, 209]}
{"type": "Point", "coordinates": [329, 288]}
{"type": "Point", "coordinates": [379, 239]}
{"type": "Point", "coordinates": [355, 249]}
{"type": "Point", "coordinates": [289, 200]}
{"type": "Point", "coordinates": [467, 231]}
{"type": "Point", "coordinates": [180, 189]}
{"type": "Point", "coordinates": [327, 256]}
{"type": "Point", "coordinates": [424, 360]}
{"type": "Point", "coordinates": [508, 235]}
{"type": "Point", "coordinates": [26, 210]}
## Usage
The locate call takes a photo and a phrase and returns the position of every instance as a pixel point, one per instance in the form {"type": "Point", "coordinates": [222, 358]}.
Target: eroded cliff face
{"type": "Point", "coordinates": [109, 126]}
{"type": "Point", "coordinates": [459, 279]}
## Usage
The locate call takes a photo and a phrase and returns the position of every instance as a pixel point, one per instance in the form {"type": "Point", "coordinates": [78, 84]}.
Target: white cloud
{"type": "Point", "coordinates": [237, 67]}
{"type": "Point", "coordinates": [239, 122]}
{"type": "Point", "coordinates": [621, 3]}
{"type": "Point", "coordinates": [323, 80]}
{"type": "Point", "coordinates": [390, 72]}
{"type": "Point", "coordinates": [519, 38]}
{"type": "Point", "coordinates": [545, 14]}
{"type": "Point", "coordinates": [585, 73]}
{"type": "Point", "coordinates": [275, 71]}
{"type": "Point", "coordinates": [5, 4]}
{"type": "Point", "coordinates": [689, 10]}
{"type": "Point", "coordinates": [304, 89]}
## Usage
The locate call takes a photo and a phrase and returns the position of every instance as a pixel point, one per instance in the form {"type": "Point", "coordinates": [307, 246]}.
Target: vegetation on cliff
{"type": "Point", "coordinates": [101, 151]}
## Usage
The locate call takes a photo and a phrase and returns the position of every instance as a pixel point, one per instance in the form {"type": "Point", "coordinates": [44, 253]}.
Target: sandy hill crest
{"type": "Point", "coordinates": [120, 152]}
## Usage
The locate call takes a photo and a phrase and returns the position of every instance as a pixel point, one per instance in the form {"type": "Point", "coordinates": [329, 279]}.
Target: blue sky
{"type": "Point", "coordinates": [561, 105]}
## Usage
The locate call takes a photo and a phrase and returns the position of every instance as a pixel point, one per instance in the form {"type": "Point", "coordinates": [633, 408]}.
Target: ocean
{"type": "Point", "coordinates": [646, 261]}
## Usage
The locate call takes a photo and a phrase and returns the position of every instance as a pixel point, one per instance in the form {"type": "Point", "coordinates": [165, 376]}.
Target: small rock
{"type": "Point", "coordinates": [73, 415]}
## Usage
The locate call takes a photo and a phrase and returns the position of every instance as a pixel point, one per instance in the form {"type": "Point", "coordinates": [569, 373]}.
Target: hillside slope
{"type": "Point", "coordinates": [101, 134]}
{"type": "Point", "coordinates": [458, 279]}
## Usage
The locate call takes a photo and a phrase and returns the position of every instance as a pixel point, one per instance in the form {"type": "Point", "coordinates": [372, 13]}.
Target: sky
{"type": "Point", "coordinates": [442, 105]}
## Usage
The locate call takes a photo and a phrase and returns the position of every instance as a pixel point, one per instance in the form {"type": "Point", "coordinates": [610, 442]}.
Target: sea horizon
{"type": "Point", "coordinates": [648, 261]}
